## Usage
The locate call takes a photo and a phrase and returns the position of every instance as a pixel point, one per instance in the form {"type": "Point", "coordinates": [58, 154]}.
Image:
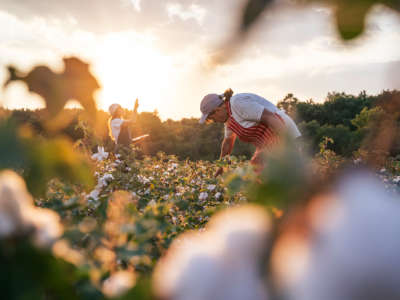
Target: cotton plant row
{"type": "Point", "coordinates": [161, 213]}
{"type": "Point", "coordinates": [160, 179]}
{"type": "Point", "coordinates": [139, 206]}
{"type": "Point", "coordinates": [389, 175]}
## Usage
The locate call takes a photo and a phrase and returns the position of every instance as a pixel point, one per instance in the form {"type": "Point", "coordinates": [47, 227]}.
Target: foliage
{"type": "Point", "coordinates": [114, 235]}
{"type": "Point", "coordinates": [164, 197]}
{"type": "Point", "coordinates": [349, 15]}
{"type": "Point", "coordinates": [30, 273]}
{"type": "Point", "coordinates": [367, 117]}
{"type": "Point", "coordinates": [76, 82]}
{"type": "Point", "coordinates": [39, 159]}
{"type": "Point", "coordinates": [337, 118]}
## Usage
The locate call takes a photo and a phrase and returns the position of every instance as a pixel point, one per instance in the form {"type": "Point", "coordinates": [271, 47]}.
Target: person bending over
{"type": "Point", "coordinates": [251, 118]}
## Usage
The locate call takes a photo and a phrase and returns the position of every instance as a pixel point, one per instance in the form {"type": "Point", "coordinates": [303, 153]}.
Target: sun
{"type": "Point", "coordinates": [130, 68]}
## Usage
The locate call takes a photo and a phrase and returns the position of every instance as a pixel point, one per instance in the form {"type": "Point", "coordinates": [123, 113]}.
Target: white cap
{"type": "Point", "coordinates": [208, 104]}
{"type": "Point", "coordinates": [113, 108]}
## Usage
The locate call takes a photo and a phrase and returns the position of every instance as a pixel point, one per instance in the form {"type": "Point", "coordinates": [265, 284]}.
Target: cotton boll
{"type": "Point", "coordinates": [244, 231]}
{"type": "Point", "coordinates": [103, 181]}
{"type": "Point", "coordinates": [211, 187]}
{"type": "Point", "coordinates": [191, 268]}
{"type": "Point", "coordinates": [355, 255]}
{"type": "Point", "coordinates": [95, 193]}
{"type": "Point", "coordinates": [221, 262]}
{"type": "Point", "coordinates": [8, 224]}
{"type": "Point", "coordinates": [118, 284]}
{"type": "Point", "coordinates": [63, 250]}
{"type": "Point", "coordinates": [100, 155]}
{"type": "Point", "coordinates": [46, 223]}
{"type": "Point", "coordinates": [152, 203]}
{"type": "Point", "coordinates": [13, 199]}
{"type": "Point", "coordinates": [19, 215]}
{"type": "Point", "coordinates": [203, 196]}
{"type": "Point", "coordinates": [241, 282]}
{"type": "Point", "coordinates": [13, 188]}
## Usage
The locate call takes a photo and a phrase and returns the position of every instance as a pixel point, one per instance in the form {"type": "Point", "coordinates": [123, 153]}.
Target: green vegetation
{"type": "Point", "coordinates": [347, 119]}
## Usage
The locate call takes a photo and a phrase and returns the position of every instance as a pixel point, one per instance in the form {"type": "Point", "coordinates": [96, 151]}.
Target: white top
{"type": "Point", "coordinates": [247, 110]}
{"type": "Point", "coordinates": [115, 126]}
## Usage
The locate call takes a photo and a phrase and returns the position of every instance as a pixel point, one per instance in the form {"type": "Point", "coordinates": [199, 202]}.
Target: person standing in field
{"type": "Point", "coordinates": [119, 129]}
{"type": "Point", "coordinates": [251, 118]}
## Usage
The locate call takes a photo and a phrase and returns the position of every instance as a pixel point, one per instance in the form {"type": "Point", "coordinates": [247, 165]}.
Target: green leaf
{"type": "Point", "coordinates": [350, 17]}
{"type": "Point", "coordinates": [252, 12]}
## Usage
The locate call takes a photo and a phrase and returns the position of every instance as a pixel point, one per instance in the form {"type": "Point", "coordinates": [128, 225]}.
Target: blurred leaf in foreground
{"type": "Point", "coordinates": [30, 273]}
{"type": "Point", "coordinates": [252, 12]}
{"type": "Point", "coordinates": [350, 17]}
{"type": "Point", "coordinates": [39, 159]}
{"type": "Point", "coordinates": [350, 14]}
{"type": "Point", "coordinates": [284, 179]}
{"type": "Point", "coordinates": [76, 82]}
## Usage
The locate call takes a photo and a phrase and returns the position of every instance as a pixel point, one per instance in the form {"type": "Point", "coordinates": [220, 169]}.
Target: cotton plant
{"type": "Point", "coordinates": [169, 197]}
{"type": "Point", "coordinates": [100, 155]}
{"type": "Point", "coordinates": [94, 195]}
{"type": "Point", "coordinates": [203, 196]}
{"type": "Point", "coordinates": [164, 204]}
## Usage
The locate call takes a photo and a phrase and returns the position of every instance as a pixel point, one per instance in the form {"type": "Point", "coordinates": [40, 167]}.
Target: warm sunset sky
{"type": "Point", "coordinates": [158, 51]}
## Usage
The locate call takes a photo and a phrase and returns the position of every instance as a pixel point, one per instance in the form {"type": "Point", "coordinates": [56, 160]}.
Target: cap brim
{"type": "Point", "coordinates": [203, 118]}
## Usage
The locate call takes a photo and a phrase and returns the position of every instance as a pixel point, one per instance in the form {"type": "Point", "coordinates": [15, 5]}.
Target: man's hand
{"type": "Point", "coordinates": [219, 172]}
{"type": "Point", "coordinates": [136, 105]}
{"type": "Point", "coordinates": [227, 145]}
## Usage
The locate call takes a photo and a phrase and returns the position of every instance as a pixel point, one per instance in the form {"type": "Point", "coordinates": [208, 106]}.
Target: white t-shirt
{"type": "Point", "coordinates": [247, 110]}
{"type": "Point", "coordinates": [115, 126]}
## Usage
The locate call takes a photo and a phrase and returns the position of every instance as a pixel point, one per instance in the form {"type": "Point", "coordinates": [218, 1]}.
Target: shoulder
{"type": "Point", "coordinates": [241, 101]}
{"type": "Point", "coordinates": [245, 103]}
{"type": "Point", "coordinates": [248, 99]}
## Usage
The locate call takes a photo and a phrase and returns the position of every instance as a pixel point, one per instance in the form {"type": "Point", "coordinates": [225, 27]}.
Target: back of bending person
{"type": "Point", "coordinates": [251, 118]}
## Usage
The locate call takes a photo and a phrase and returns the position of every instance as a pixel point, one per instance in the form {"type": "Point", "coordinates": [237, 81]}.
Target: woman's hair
{"type": "Point", "coordinates": [109, 129]}
{"type": "Point", "coordinates": [226, 96]}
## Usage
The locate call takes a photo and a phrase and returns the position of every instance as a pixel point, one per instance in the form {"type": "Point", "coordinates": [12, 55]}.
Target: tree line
{"type": "Point", "coordinates": [346, 119]}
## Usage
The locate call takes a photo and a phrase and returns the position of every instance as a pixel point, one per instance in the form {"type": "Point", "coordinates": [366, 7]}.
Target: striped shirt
{"type": "Point", "coordinates": [245, 111]}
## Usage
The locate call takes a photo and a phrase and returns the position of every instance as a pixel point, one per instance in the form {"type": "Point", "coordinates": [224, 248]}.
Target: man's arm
{"type": "Point", "coordinates": [136, 105]}
{"type": "Point", "coordinates": [134, 116]}
{"type": "Point", "coordinates": [226, 149]}
{"type": "Point", "coordinates": [227, 145]}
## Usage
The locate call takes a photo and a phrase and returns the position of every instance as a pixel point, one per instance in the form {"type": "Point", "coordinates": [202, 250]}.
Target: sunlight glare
{"type": "Point", "coordinates": [129, 68]}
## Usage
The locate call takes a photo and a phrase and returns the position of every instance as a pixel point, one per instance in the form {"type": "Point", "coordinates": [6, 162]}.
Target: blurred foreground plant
{"type": "Point", "coordinates": [39, 159]}
{"type": "Point", "coordinates": [75, 82]}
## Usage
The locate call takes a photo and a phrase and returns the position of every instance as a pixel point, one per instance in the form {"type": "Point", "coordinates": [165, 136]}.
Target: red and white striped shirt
{"type": "Point", "coordinates": [245, 112]}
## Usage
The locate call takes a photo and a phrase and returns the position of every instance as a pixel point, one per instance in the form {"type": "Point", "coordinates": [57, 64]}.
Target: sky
{"type": "Point", "coordinates": [160, 50]}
